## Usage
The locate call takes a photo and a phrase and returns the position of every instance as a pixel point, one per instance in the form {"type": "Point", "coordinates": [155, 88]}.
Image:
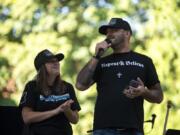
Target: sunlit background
{"type": "Point", "coordinates": [71, 27]}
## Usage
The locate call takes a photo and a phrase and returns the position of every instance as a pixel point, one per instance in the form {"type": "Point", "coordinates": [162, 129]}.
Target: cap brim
{"type": "Point", "coordinates": [59, 56]}
{"type": "Point", "coordinates": [103, 28]}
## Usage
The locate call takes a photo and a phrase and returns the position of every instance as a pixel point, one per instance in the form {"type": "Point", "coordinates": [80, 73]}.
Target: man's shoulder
{"type": "Point", "coordinates": [128, 55]}
{"type": "Point", "coordinates": [140, 55]}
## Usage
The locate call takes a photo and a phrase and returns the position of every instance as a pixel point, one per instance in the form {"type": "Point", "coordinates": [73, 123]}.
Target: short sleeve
{"type": "Point", "coordinates": [152, 76]}
{"type": "Point", "coordinates": [29, 96]}
{"type": "Point", "coordinates": [97, 72]}
{"type": "Point", "coordinates": [75, 105]}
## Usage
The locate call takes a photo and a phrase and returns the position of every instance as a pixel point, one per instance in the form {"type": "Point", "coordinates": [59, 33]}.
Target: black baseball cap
{"type": "Point", "coordinates": [117, 23]}
{"type": "Point", "coordinates": [44, 56]}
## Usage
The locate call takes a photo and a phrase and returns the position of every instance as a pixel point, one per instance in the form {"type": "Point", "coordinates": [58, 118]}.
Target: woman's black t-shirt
{"type": "Point", "coordinates": [56, 125]}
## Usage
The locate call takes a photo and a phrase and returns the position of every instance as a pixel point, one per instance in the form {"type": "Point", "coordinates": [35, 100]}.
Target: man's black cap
{"type": "Point", "coordinates": [115, 23]}
{"type": "Point", "coordinates": [44, 56]}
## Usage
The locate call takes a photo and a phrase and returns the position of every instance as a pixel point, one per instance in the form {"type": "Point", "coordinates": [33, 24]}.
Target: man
{"type": "Point", "coordinates": [124, 79]}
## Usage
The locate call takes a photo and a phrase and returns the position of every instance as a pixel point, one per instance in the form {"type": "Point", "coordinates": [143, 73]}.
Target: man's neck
{"type": "Point", "coordinates": [123, 47]}
{"type": "Point", "coordinates": [123, 50]}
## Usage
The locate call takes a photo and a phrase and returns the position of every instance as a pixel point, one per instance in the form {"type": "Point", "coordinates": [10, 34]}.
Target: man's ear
{"type": "Point", "coordinates": [128, 34]}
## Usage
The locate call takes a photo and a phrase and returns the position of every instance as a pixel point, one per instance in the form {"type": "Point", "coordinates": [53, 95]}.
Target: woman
{"type": "Point", "coordinates": [49, 104]}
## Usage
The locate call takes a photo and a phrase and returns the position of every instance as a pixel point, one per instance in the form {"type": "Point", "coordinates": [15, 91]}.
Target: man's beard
{"type": "Point", "coordinates": [118, 42]}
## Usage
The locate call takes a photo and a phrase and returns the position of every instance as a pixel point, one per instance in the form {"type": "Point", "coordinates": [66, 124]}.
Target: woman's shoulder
{"type": "Point", "coordinates": [31, 83]}
{"type": "Point", "coordinates": [67, 83]}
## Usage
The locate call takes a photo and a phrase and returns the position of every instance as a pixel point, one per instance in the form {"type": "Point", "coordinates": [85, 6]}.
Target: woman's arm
{"type": "Point", "coordinates": [71, 115]}
{"type": "Point", "coordinates": [31, 116]}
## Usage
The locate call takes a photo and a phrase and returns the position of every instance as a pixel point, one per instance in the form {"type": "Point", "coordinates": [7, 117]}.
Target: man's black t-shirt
{"type": "Point", "coordinates": [113, 74]}
{"type": "Point", "coordinates": [56, 125]}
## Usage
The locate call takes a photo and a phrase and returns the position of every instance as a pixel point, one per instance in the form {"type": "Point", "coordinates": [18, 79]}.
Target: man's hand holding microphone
{"type": "Point", "coordinates": [101, 47]}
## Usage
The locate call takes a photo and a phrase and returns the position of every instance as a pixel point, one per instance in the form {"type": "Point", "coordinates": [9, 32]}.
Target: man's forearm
{"type": "Point", "coordinates": [85, 76]}
{"type": "Point", "coordinates": [153, 95]}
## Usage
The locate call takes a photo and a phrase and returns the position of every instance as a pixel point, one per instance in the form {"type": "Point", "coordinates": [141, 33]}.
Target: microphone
{"type": "Point", "coordinates": [101, 50]}
{"type": "Point", "coordinates": [153, 120]}
{"type": "Point", "coordinates": [108, 41]}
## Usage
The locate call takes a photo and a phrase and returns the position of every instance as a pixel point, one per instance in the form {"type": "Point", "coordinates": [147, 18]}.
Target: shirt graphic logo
{"type": "Point", "coordinates": [55, 98]}
{"type": "Point", "coordinates": [122, 63]}
{"type": "Point", "coordinates": [119, 75]}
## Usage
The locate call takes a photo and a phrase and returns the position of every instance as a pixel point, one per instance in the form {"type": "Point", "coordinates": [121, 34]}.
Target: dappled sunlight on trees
{"type": "Point", "coordinates": [71, 27]}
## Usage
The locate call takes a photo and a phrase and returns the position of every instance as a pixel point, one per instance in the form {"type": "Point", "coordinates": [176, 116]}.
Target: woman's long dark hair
{"type": "Point", "coordinates": [42, 83]}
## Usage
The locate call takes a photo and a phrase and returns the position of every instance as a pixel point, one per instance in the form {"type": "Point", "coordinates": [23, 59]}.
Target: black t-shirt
{"type": "Point", "coordinates": [56, 125]}
{"type": "Point", "coordinates": [112, 75]}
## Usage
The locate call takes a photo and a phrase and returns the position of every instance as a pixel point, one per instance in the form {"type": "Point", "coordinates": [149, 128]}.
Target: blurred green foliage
{"type": "Point", "coordinates": [71, 27]}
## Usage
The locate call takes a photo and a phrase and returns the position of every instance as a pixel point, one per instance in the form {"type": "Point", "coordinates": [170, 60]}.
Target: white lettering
{"type": "Point", "coordinates": [122, 63]}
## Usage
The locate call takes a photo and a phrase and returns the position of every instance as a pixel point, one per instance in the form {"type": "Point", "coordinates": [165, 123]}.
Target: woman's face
{"type": "Point", "coordinates": [52, 67]}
